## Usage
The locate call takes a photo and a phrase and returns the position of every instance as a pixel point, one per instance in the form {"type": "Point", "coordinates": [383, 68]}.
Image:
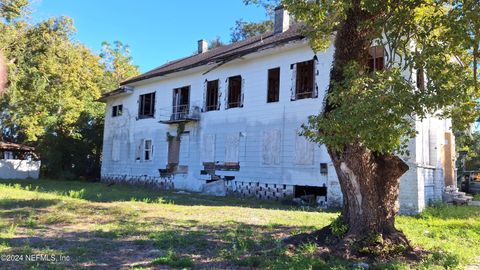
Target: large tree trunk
{"type": "Point", "coordinates": [369, 181]}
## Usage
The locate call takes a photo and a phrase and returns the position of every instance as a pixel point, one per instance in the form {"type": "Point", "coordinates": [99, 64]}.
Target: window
{"type": "Point", "coordinates": [420, 79]}
{"type": "Point", "coordinates": [117, 110]}
{"type": "Point", "coordinates": [305, 80]}
{"type": "Point", "coordinates": [376, 58]}
{"type": "Point", "coordinates": [273, 85]}
{"type": "Point", "coordinates": [146, 107]}
{"type": "Point", "coordinates": [148, 150]}
{"type": "Point", "coordinates": [212, 96]}
{"type": "Point", "coordinates": [234, 92]}
{"type": "Point", "coordinates": [181, 103]}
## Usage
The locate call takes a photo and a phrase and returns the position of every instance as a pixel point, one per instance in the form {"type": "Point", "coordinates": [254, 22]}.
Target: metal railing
{"type": "Point", "coordinates": [179, 113]}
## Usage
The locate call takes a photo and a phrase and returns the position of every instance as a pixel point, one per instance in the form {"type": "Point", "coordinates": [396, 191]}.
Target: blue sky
{"type": "Point", "coordinates": [157, 31]}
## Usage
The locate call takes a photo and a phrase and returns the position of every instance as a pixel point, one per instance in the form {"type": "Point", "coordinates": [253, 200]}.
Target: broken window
{"type": "Point", "coordinates": [305, 80]}
{"type": "Point", "coordinates": [234, 92]}
{"type": "Point", "coordinates": [273, 85]}
{"type": "Point", "coordinates": [376, 58]}
{"type": "Point", "coordinates": [146, 105]}
{"type": "Point", "coordinates": [212, 96]}
{"type": "Point", "coordinates": [181, 103]}
{"type": "Point", "coordinates": [117, 110]}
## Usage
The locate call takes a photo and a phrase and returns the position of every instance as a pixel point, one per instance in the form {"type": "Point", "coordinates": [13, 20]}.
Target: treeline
{"type": "Point", "coordinates": [50, 101]}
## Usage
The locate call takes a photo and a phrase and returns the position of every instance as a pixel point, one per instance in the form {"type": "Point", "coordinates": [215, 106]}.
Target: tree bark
{"type": "Point", "coordinates": [369, 181]}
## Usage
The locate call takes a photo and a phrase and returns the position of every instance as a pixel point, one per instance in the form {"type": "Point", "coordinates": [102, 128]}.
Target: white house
{"type": "Point", "coordinates": [18, 161]}
{"type": "Point", "coordinates": [229, 117]}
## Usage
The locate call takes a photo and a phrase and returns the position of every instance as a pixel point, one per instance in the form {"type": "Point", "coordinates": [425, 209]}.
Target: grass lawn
{"type": "Point", "coordinates": [99, 227]}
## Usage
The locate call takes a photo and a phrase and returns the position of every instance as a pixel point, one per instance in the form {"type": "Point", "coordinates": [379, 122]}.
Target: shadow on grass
{"type": "Point", "coordinates": [101, 192]}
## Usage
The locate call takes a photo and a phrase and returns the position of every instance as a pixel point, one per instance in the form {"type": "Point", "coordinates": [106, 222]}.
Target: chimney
{"type": "Point", "coordinates": [282, 20]}
{"type": "Point", "coordinates": [202, 46]}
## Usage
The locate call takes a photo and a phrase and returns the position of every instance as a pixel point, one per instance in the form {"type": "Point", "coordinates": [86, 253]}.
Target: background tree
{"type": "Point", "coordinates": [53, 85]}
{"type": "Point", "coordinates": [243, 30]}
{"type": "Point", "coordinates": [369, 116]}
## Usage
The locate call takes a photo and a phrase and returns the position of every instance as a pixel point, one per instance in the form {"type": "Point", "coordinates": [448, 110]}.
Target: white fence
{"type": "Point", "coordinates": [19, 169]}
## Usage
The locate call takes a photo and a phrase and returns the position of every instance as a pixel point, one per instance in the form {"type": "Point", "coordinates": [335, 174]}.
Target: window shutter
{"type": "Point", "coordinates": [242, 91]}
{"type": "Point", "coordinates": [293, 89]}
{"type": "Point", "coordinates": [219, 100]}
{"type": "Point", "coordinates": [226, 93]}
{"type": "Point", "coordinates": [315, 74]}
{"type": "Point", "coordinates": [205, 90]}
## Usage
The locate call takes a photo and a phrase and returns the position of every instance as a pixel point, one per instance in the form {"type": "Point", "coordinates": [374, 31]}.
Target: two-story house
{"type": "Point", "coordinates": [232, 115]}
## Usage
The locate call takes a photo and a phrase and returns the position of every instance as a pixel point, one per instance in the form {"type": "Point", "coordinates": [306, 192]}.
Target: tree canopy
{"type": "Point", "coordinates": [53, 85]}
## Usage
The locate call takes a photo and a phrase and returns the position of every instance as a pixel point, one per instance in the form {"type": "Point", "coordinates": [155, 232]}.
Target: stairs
{"type": "Point", "coordinates": [451, 195]}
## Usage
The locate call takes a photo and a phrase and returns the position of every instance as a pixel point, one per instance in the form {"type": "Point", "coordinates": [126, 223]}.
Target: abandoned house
{"type": "Point", "coordinates": [227, 119]}
{"type": "Point", "coordinates": [18, 161]}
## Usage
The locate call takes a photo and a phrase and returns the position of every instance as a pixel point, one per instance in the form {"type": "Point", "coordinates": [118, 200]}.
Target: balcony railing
{"type": "Point", "coordinates": [178, 114]}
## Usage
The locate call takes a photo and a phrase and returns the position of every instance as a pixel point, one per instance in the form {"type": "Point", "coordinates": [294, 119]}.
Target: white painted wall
{"type": "Point", "coordinates": [19, 169]}
{"type": "Point", "coordinates": [298, 162]}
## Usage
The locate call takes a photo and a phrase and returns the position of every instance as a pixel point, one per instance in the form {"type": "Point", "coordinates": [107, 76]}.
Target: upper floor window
{"type": "Point", "coordinates": [146, 108]}
{"type": "Point", "coordinates": [212, 96]}
{"type": "Point", "coordinates": [273, 85]}
{"type": "Point", "coordinates": [305, 80]}
{"type": "Point", "coordinates": [117, 110]}
{"type": "Point", "coordinates": [181, 103]}
{"type": "Point", "coordinates": [234, 92]}
{"type": "Point", "coordinates": [376, 58]}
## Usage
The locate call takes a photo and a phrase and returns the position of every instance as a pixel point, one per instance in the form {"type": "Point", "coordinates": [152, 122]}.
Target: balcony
{"type": "Point", "coordinates": [179, 114]}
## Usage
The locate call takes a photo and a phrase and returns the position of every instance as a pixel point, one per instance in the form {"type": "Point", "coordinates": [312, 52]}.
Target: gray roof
{"type": "Point", "coordinates": [219, 56]}
{"type": "Point", "coordinates": [223, 54]}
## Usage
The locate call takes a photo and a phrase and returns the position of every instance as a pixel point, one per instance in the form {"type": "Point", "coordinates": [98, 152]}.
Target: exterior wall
{"type": "Point", "coordinates": [19, 169]}
{"type": "Point", "coordinates": [265, 171]}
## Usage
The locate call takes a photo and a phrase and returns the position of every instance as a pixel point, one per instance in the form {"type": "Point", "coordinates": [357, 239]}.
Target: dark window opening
{"type": "Point", "coordinates": [273, 85]}
{"type": "Point", "coordinates": [305, 80]}
{"type": "Point", "coordinates": [148, 150]}
{"type": "Point", "coordinates": [300, 191]}
{"type": "Point", "coordinates": [420, 79]}
{"type": "Point", "coordinates": [146, 105]}
{"type": "Point", "coordinates": [376, 58]}
{"type": "Point", "coordinates": [212, 96]}
{"type": "Point", "coordinates": [234, 92]}
{"type": "Point", "coordinates": [117, 110]}
{"type": "Point", "coordinates": [323, 168]}
{"type": "Point", "coordinates": [181, 103]}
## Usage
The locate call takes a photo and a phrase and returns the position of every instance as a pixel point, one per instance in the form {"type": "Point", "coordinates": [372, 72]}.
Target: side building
{"type": "Point", "coordinates": [232, 115]}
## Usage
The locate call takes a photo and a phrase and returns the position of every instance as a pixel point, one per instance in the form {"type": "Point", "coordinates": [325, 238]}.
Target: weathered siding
{"type": "Point", "coordinates": [262, 137]}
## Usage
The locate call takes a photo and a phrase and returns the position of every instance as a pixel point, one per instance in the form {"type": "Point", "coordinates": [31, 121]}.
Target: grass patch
{"type": "Point", "coordinates": [100, 225]}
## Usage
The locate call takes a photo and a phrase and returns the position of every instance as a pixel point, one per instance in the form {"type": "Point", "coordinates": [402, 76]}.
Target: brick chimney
{"type": "Point", "coordinates": [282, 20]}
{"type": "Point", "coordinates": [202, 46]}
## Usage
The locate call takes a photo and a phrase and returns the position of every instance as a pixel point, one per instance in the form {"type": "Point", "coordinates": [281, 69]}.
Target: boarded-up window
{"type": "Point", "coordinates": [232, 143]}
{"type": "Point", "coordinates": [173, 151]}
{"type": "Point", "coordinates": [115, 149]}
{"type": "Point", "coordinates": [305, 80]}
{"type": "Point", "coordinates": [271, 147]}
{"type": "Point", "coordinates": [117, 110]}
{"type": "Point", "coordinates": [212, 96]}
{"type": "Point", "coordinates": [304, 151]}
{"type": "Point", "coordinates": [184, 149]}
{"type": "Point", "coordinates": [234, 92]}
{"type": "Point", "coordinates": [208, 150]}
{"type": "Point", "coordinates": [273, 85]}
{"type": "Point", "coordinates": [146, 107]}
{"type": "Point", "coordinates": [376, 58]}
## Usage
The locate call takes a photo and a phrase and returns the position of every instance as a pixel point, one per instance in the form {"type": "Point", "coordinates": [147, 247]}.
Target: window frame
{"type": "Point", "coordinates": [301, 66]}
{"type": "Point", "coordinates": [276, 91]}
{"type": "Point", "coordinates": [238, 102]}
{"type": "Point", "coordinates": [372, 67]}
{"type": "Point", "coordinates": [141, 106]}
{"type": "Point", "coordinates": [117, 110]}
{"type": "Point", "coordinates": [214, 96]}
{"type": "Point", "coordinates": [147, 150]}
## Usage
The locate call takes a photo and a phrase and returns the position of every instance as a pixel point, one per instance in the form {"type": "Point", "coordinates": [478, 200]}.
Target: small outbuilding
{"type": "Point", "coordinates": [18, 161]}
